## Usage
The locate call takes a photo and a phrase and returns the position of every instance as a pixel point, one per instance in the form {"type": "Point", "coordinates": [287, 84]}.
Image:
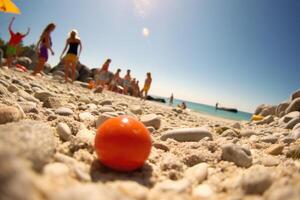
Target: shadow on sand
{"type": "Point", "coordinates": [101, 173]}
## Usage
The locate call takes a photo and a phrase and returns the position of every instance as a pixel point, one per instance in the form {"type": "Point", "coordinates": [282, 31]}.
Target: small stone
{"type": "Point", "coordinates": [56, 170]}
{"type": "Point", "coordinates": [292, 123]}
{"type": "Point", "coordinates": [53, 102]}
{"type": "Point", "coordinates": [297, 126]}
{"type": "Point", "coordinates": [275, 149]}
{"type": "Point", "coordinates": [12, 88]}
{"type": "Point", "coordinates": [202, 191]}
{"type": "Point", "coordinates": [84, 99]}
{"type": "Point", "coordinates": [86, 116]}
{"type": "Point", "coordinates": [294, 152]}
{"type": "Point", "coordinates": [161, 146]}
{"type": "Point", "coordinates": [151, 120]}
{"type": "Point", "coordinates": [230, 133]}
{"type": "Point", "coordinates": [256, 180]}
{"type": "Point", "coordinates": [131, 189]}
{"type": "Point", "coordinates": [236, 125]}
{"type": "Point", "coordinates": [294, 106]}
{"type": "Point", "coordinates": [296, 134]}
{"type": "Point", "coordinates": [43, 95]}
{"type": "Point", "coordinates": [64, 111]}
{"type": "Point", "coordinates": [248, 133]}
{"type": "Point", "coordinates": [286, 118]}
{"type": "Point", "coordinates": [102, 118]}
{"type": "Point", "coordinates": [269, 139]}
{"type": "Point", "coordinates": [237, 154]}
{"type": "Point", "coordinates": [169, 162]}
{"type": "Point", "coordinates": [187, 134]}
{"type": "Point", "coordinates": [105, 109]}
{"type": "Point", "coordinates": [287, 139]}
{"type": "Point", "coordinates": [137, 110]}
{"type": "Point", "coordinates": [289, 192]}
{"type": "Point", "coordinates": [197, 174]}
{"type": "Point", "coordinates": [29, 107]}
{"type": "Point", "coordinates": [270, 161]}
{"type": "Point", "coordinates": [106, 102]}
{"type": "Point", "coordinates": [10, 114]}
{"type": "Point", "coordinates": [151, 129]}
{"type": "Point", "coordinates": [27, 96]}
{"type": "Point", "coordinates": [64, 131]}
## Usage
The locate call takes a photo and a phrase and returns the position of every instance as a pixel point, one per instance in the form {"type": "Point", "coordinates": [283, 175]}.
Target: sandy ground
{"type": "Point", "coordinates": [47, 148]}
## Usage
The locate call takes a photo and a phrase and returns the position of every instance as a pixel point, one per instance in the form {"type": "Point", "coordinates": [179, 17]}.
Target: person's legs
{"type": "Point", "coordinates": [73, 67]}
{"type": "Point", "coordinates": [40, 66]}
{"type": "Point", "coordinates": [67, 65]}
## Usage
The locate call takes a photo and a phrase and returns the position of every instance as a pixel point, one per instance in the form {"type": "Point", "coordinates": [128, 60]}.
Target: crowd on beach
{"type": "Point", "coordinates": [70, 57]}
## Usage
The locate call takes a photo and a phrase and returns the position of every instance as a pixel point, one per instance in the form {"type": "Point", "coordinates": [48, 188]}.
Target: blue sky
{"type": "Point", "coordinates": [240, 53]}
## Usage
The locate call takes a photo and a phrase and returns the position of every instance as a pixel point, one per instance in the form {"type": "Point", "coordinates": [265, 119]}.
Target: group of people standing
{"type": "Point", "coordinates": [70, 56]}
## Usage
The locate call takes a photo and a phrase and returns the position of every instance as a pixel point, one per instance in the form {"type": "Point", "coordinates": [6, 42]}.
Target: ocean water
{"type": "Point", "coordinates": [211, 110]}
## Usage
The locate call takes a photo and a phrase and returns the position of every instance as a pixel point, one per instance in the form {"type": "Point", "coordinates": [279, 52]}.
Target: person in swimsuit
{"type": "Point", "coordinates": [42, 47]}
{"type": "Point", "coordinates": [14, 42]}
{"type": "Point", "coordinates": [113, 86]}
{"type": "Point", "coordinates": [72, 56]}
{"type": "Point", "coordinates": [147, 85]}
{"type": "Point", "coordinates": [103, 74]}
{"type": "Point", "coordinates": [127, 82]}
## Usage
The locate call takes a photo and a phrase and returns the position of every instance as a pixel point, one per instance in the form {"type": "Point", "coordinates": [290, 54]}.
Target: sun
{"type": "Point", "coordinates": [146, 32]}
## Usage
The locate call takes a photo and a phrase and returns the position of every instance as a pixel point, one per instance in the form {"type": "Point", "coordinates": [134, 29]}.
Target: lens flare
{"type": "Point", "coordinates": [146, 32]}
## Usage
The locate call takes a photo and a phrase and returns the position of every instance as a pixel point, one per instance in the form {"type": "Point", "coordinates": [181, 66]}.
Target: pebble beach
{"type": "Point", "coordinates": [47, 131]}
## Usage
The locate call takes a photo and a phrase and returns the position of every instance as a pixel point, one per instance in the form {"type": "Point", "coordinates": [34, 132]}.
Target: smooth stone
{"type": "Point", "coordinates": [292, 123]}
{"type": "Point", "coordinates": [105, 109]}
{"type": "Point", "coordinates": [102, 118]}
{"type": "Point", "coordinates": [32, 140]}
{"type": "Point", "coordinates": [269, 139]}
{"type": "Point", "coordinates": [256, 180]}
{"type": "Point", "coordinates": [197, 174]}
{"type": "Point", "coordinates": [86, 136]}
{"type": "Point", "coordinates": [151, 129]}
{"type": "Point", "coordinates": [10, 114]}
{"type": "Point", "coordinates": [286, 118]}
{"type": "Point", "coordinates": [270, 161]}
{"type": "Point", "coordinates": [43, 95]}
{"type": "Point", "coordinates": [131, 189]}
{"type": "Point", "coordinates": [294, 152]}
{"type": "Point", "coordinates": [297, 126]}
{"type": "Point", "coordinates": [237, 154]}
{"type": "Point", "coordinates": [267, 120]}
{"type": "Point", "coordinates": [296, 134]}
{"type": "Point", "coordinates": [236, 125]}
{"type": "Point", "coordinates": [187, 134]}
{"type": "Point", "coordinates": [56, 170]}
{"type": "Point", "coordinates": [203, 191]}
{"type": "Point", "coordinates": [159, 145]}
{"type": "Point", "coordinates": [64, 131]}
{"type": "Point", "coordinates": [84, 99]}
{"type": "Point", "coordinates": [106, 102]}
{"type": "Point", "coordinates": [247, 133]}
{"type": "Point", "coordinates": [86, 116]}
{"type": "Point", "coordinates": [53, 102]}
{"type": "Point", "coordinates": [137, 110]}
{"type": "Point", "coordinates": [229, 133]}
{"type": "Point", "coordinates": [281, 108]}
{"type": "Point", "coordinates": [12, 88]}
{"type": "Point", "coordinates": [287, 139]}
{"type": "Point", "coordinates": [151, 120]}
{"type": "Point", "coordinates": [294, 106]}
{"type": "Point", "coordinates": [64, 111]}
{"type": "Point", "coordinates": [29, 107]}
{"type": "Point", "coordinates": [295, 95]}
{"type": "Point", "coordinates": [27, 96]}
{"type": "Point", "coordinates": [275, 149]}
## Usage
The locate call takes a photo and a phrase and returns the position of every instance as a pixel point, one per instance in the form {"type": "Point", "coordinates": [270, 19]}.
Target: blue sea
{"type": "Point", "coordinates": [211, 110]}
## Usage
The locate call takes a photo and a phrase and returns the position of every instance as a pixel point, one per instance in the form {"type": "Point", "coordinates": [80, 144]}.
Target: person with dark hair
{"type": "Point", "coordinates": [103, 74]}
{"type": "Point", "coordinates": [14, 42]}
{"type": "Point", "coordinates": [113, 86]}
{"type": "Point", "coordinates": [71, 58]}
{"type": "Point", "coordinates": [127, 82]}
{"type": "Point", "coordinates": [44, 44]}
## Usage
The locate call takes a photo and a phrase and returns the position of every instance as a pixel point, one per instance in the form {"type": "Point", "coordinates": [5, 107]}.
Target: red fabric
{"type": "Point", "coordinates": [15, 39]}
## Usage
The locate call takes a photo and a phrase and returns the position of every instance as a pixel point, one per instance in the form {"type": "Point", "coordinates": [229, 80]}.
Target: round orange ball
{"type": "Point", "coordinates": [123, 143]}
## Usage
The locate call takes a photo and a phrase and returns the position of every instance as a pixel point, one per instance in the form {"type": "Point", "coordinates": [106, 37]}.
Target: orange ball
{"type": "Point", "coordinates": [123, 143]}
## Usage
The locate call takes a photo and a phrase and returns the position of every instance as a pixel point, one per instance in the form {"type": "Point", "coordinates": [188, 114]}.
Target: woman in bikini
{"type": "Point", "coordinates": [42, 47]}
{"type": "Point", "coordinates": [71, 58]}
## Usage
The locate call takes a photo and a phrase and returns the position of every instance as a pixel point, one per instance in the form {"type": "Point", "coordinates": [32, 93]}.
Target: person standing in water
{"type": "Point", "coordinates": [71, 58]}
{"type": "Point", "coordinates": [14, 42]}
{"type": "Point", "coordinates": [147, 85]}
{"type": "Point", "coordinates": [44, 44]}
{"type": "Point", "coordinates": [171, 100]}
